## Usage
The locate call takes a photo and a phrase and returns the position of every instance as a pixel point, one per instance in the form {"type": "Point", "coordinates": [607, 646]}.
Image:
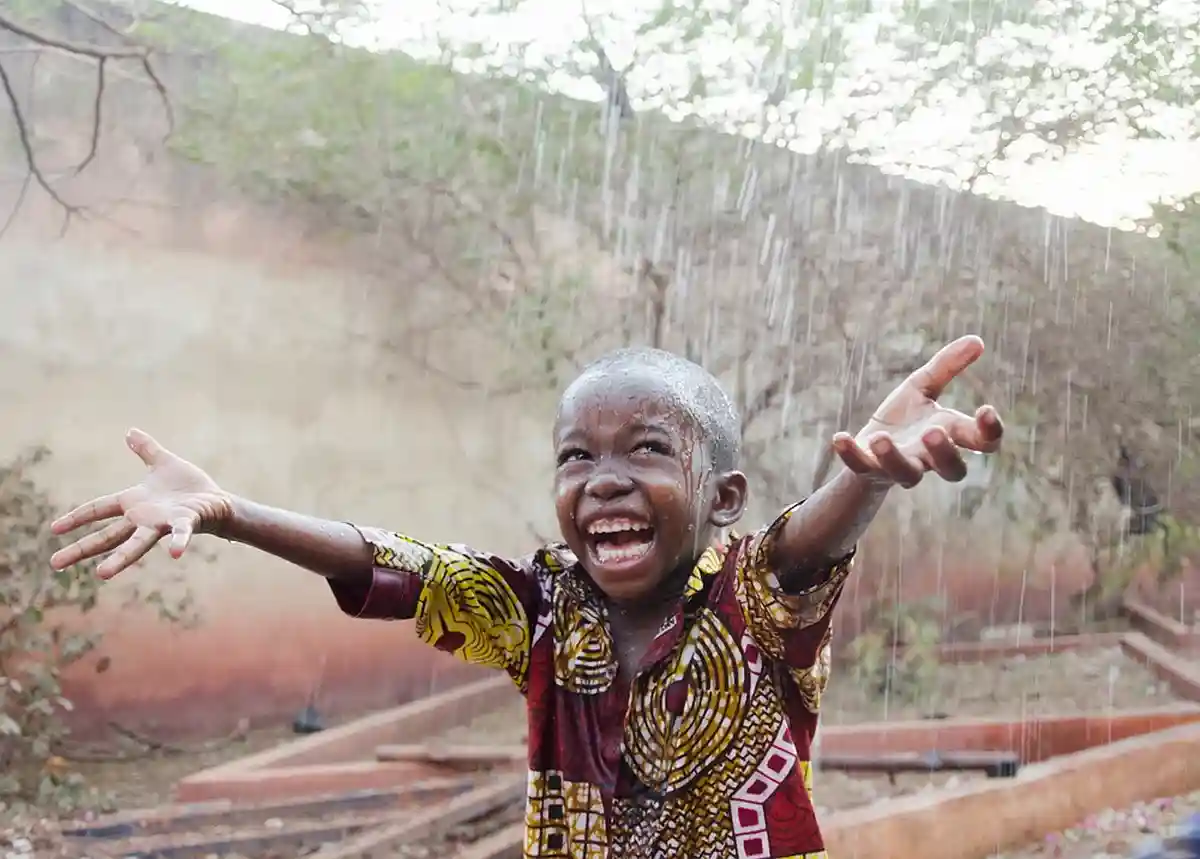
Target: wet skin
{"type": "Point", "coordinates": [637, 498]}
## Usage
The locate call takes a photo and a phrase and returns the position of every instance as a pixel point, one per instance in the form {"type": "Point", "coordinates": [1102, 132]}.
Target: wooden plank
{"type": "Point", "coordinates": [183, 818]}
{"type": "Point", "coordinates": [452, 755]}
{"type": "Point", "coordinates": [1159, 628]}
{"type": "Point", "coordinates": [291, 836]}
{"type": "Point", "coordinates": [984, 818]}
{"type": "Point", "coordinates": [280, 784]}
{"type": "Point", "coordinates": [435, 821]}
{"type": "Point", "coordinates": [1178, 672]}
{"type": "Point", "coordinates": [410, 722]}
{"type": "Point", "coordinates": [994, 763]}
{"type": "Point", "coordinates": [994, 651]}
{"type": "Point", "coordinates": [507, 843]}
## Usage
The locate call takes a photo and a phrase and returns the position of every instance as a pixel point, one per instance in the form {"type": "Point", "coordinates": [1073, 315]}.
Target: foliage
{"type": "Point", "coordinates": [440, 175]}
{"type": "Point", "coordinates": [1092, 336]}
{"type": "Point", "coordinates": [1011, 81]}
{"type": "Point", "coordinates": [40, 638]}
{"type": "Point", "coordinates": [1179, 222]}
{"type": "Point", "coordinates": [459, 178]}
{"type": "Point", "coordinates": [896, 653]}
{"type": "Point", "coordinates": [1120, 560]}
{"type": "Point", "coordinates": [810, 284]}
{"type": "Point", "coordinates": [32, 649]}
{"type": "Point", "coordinates": [1029, 80]}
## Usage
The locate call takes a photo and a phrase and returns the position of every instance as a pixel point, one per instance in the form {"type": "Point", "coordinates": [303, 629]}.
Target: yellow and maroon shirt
{"type": "Point", "coordinates": [705, 754]}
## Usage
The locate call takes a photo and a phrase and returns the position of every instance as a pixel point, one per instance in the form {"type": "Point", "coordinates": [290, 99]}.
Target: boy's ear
{"type": "Point", "coordinates": [729, 501]}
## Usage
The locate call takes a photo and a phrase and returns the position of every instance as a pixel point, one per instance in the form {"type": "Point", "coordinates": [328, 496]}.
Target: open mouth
{"type": "Point", "coordinates": [616, 541]}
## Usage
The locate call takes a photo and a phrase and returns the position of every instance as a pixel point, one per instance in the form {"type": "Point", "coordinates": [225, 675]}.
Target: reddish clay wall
{"type": "Point", "coordinates": [235, 338]}
{"type": "Point", "coordinates": [202, 683]}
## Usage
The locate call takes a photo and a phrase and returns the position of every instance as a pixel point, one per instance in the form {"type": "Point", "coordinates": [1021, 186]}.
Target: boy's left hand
{"type": "Point", "coordinates": [910, 434]}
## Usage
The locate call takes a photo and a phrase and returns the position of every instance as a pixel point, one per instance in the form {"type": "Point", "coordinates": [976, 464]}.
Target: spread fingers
{"type": "Point", "coordinates": [129, 553]}
{"type": "Point", "coordinates": [96, 543]}
{"type": "Point", "coordinates": [96, 510]}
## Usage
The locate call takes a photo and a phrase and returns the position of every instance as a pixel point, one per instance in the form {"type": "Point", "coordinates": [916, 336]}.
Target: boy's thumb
{"type": "Point", "coordinates": [181, 535]}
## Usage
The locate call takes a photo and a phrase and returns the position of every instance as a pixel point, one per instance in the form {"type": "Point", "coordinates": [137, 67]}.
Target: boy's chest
{"type": "Point", "coordinates": [632, 641]}
{"type": "Point", "coordinates": [706, 705]}
{"type": "Point", "coordinates": [674, 689]}
{"type": "Point", "coordinates": [644, 731]}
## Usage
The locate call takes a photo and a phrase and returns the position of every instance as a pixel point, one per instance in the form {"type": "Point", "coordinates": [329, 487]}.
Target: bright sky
{"type": "Point", "coordinates": [1109, 184]}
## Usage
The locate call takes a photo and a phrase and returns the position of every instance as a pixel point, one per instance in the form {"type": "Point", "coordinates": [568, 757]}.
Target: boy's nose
{"type": "Point", "coordinates": [608, 482]}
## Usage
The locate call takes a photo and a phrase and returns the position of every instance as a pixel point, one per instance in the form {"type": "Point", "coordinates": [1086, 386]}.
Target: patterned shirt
{"type": "Point", "coordinates": [703, 754]}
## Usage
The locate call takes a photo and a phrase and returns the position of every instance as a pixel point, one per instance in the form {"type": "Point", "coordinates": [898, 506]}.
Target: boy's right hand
{"type": "Point", "coordinates": [174, 498]}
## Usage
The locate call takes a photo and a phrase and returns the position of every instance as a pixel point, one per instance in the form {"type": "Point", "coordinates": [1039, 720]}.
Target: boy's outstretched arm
{"type": "Point", "coordinates": [177, 500]}
{"type": "Point", "coordinates": [334, 550]}
{"type": "Point", "coordinates": [909, 435]}
{"type": "Point", "coordinates": [476, 606]}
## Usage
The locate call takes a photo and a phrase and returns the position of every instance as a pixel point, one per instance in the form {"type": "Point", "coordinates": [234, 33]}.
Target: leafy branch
{"type": "Point", "coordinates": [39, 641]}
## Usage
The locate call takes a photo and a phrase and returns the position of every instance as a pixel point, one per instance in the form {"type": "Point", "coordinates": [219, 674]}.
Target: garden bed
{"type": "Point", "coordinates": [130, 779]}
{"type": "Point", "coordinates": [839, 791]}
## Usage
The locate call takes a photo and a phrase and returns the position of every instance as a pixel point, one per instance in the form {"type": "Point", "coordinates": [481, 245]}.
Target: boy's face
{"type": "Point", "coordinates": [636, 496]}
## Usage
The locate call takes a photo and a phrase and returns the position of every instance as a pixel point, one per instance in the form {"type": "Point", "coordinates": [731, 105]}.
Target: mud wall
{"type": "Point", "coordinates": [244, 351]}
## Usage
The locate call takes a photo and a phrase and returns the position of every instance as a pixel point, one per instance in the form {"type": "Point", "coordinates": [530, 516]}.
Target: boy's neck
{"type": "Point", "coordinates": [655, 606]}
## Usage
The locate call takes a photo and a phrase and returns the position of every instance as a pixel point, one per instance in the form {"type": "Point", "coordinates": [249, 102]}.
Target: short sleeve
{"type": "Point", "coordinates": [791, 625]}
{"type": "Point", "coordinates": [473, 605]}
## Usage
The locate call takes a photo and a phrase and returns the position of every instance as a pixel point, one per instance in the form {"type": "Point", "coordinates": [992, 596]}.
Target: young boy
{"type": "Point", "coordinates": [672, 671]}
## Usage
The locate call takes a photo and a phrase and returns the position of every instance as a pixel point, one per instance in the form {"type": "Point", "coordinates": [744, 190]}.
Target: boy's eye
{"type": "Point", "coordinates": [656, 447]}
{"type": "Point", "coordinates": [573, 454]}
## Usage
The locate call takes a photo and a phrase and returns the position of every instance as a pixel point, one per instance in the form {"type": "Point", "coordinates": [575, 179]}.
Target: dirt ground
{"type": "Point", "coordinates": [838, 791]}
{"type": "Point", "coordinates": [143, 782]}
{"type": "Point", "coordinates": [1113, 834]}
{"type": "Point", "coordinates": [146, 780]}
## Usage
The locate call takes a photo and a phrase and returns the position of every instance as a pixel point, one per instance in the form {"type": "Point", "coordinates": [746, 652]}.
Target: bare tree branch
{"type": "Point", "coordinates": [97, 117]}
{"type": "Point", "coordinates": [27, 147]}
{"type": "Point", "coordinates": [27, 179]}
{"type": "Point", "coordinates": [101, 55]}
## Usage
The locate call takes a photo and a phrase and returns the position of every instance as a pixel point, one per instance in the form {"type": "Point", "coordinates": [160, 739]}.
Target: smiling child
{"type": "Point", "coordinates": [672, 670]}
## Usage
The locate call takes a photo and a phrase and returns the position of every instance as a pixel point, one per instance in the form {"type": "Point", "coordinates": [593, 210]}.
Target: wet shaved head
{"type": "Point", "coordinates": [692, 388]}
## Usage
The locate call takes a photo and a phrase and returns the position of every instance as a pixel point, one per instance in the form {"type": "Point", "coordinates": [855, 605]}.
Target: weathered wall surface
{"type": "Point", "coordinates": [244, 354]}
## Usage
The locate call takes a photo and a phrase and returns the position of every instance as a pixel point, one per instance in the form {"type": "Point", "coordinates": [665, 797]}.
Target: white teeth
{"type": "Point", "coordinates": [620, 551]}
{"type": "Point", "coordinates": [616, 526]}
{"type": "Point", "coordinates": [607, 554]}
